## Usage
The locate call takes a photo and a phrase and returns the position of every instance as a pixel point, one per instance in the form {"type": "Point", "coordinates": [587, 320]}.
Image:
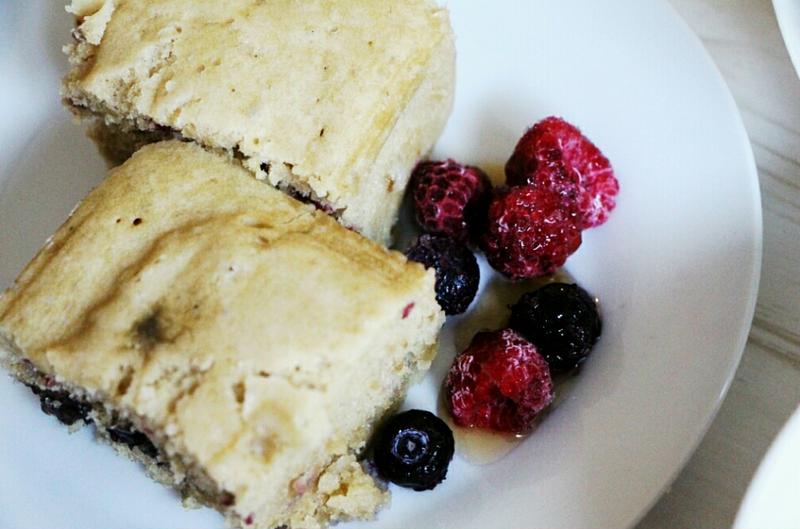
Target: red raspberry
{"type": "Point", "coordinates": [499, 382]}
{"type": "Point", "coordinates": [555, 155]}
{"type": "Point", "coordinates": [449, 197]}
{"type": "Point", "coordinates": [530, 232]}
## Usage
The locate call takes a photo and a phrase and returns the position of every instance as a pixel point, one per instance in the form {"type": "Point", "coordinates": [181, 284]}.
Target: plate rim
{"type": "Point", "coordinates": [733, 360]}
{"type": "Point", "coordinates": [756, 264]}
{"type": "Point", "coordinates": [766, 469]}
{"type": "Point", "coordinates": [788, 18]}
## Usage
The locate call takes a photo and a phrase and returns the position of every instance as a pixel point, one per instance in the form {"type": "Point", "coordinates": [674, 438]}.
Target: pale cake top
{"type": "Point", "coordinates": [218, 309]}
{"type": "Point", "coordinates": [315, 86]}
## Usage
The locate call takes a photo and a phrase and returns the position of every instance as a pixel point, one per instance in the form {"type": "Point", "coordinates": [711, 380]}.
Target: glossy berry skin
{"type": "Point", "coordinates": [457, 272]}
{"type": "Point", "coordinates": [555, 155]}
{"type": "Point", "coordinates": [413, 449]}
{"type": "Point", "coordinates": [450, 199]}
{"type": "Point", "coordinates": [562, 320]}
{"type": "Point", "coordinates": [530, 232]}
{"type": "Point", "coordinates": [500, 383]}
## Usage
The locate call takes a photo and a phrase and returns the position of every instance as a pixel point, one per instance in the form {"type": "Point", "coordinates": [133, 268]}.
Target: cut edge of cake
{"type": "Point", "coordinates": [342, 490]}
{"type": "Point", "coordinates": [337, 487]}
{"type": "Point", "coordinates": [384, 167]}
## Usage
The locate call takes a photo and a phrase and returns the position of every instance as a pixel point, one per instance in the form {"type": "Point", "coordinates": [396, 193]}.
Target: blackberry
{"type": "Point", "coordinates": [61, 406]}
{"type": "Point", "coordinates": [561, 320]}
{"type": "Point", "coordinates": [457, 272]}
{"type": "Point", "coordinates": [134, 439]}
{"type": "Point", "coordinates": [413, 449]}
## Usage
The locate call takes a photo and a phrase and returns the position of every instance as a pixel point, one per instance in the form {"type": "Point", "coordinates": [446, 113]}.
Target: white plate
{"type": "Point", "coordinates": [772, 498]}
{"type": "Point", "coordinates": [788, 13]}
{"type": "Point", "coordinates": [676, 267]}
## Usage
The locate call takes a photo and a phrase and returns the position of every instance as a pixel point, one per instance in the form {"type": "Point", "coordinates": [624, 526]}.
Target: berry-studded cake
{"type": "Point", "coordinates": [332, 100]}
{"type": "Point", "coordinates": [239, 343]}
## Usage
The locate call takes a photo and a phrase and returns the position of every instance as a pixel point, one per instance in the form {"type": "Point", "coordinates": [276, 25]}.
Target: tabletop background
{"type": "Point", "coordinates": [745, 42]}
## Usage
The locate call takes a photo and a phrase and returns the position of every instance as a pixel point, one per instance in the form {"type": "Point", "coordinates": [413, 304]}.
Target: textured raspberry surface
{"type": "Point", "coordinates": [554, 154]}
{"type": "Point", "coordinates": [449, 198]}
{"type": "Point", "coordinates": [500, 382]}
{"type": "Point", "coordinates": [530, 232]}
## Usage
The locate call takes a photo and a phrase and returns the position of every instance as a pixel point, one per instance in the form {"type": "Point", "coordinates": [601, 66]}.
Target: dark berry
{"type": "Point", "coordinates": [306, 198]}
{"type": "Point", "coordinates": [530, 232]}
{"type": "Point", "coordinates": [457, 272]}
{"type": "Point", "coordinates": [562, 320]}
{"type": "Point", "coordinates": [413, 449]}
{"type": "Point", "coordinates": [61, 406]}
{"type": "Point", "coordinates": [554, 155]}
{"type": "Point", "coordinates": [450, 199]}
{"type": "Point", "coordinates": [500, 382]}
{"type": "Point", "coordinates": [134, 439]}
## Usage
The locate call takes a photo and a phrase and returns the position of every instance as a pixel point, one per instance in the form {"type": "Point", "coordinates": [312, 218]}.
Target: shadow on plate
{"type": "Point", "coordinates": [40, 188]}
{"type": "Point", "coordinates": [58, 31]}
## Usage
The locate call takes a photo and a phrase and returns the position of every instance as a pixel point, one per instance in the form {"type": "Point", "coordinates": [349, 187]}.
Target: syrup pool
{"type": "Point", "coordinates": [477, 446]}
{"type": "Point", "coordinates": [484, 447]}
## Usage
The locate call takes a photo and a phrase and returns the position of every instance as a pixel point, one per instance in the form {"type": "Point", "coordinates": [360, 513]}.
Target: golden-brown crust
{"type": "Point", "coordinates": [335, 96]}
{"type": "Point", "coordinates": [248, 331]}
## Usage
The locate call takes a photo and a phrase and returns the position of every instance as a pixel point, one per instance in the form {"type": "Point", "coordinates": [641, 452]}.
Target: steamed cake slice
{"type": "Point", "coordinates": [252, 339]}
{"type": "Point", "coordinates": [333, 100]}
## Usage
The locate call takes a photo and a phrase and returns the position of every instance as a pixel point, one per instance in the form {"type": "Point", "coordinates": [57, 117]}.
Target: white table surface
{"type": "Point", "coordinates": [743, 38]}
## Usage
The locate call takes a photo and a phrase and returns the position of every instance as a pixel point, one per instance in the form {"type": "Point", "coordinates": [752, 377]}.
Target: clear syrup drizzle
{"type": "Point", "coordinates": [476, 446]}
{"type": "Point", "coordinates": [483, 447]}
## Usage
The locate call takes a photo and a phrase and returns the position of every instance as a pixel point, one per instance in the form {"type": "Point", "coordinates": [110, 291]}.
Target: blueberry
{"type": "Point", "coordinates": [61, 406]}
{"type": "Point", "coordinates": [413, 449]}
{"type": "Point", "coordinates": [134, 439]}
{"type": "Point", "coordinates": [561, 320]}
{"type": "Point", "coordinates": [457, 272]}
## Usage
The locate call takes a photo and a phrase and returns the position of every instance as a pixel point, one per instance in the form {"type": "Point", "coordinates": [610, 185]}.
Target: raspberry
{"type": "Point", "coordinates": [555, 155]}
{"type": "Point", "coordinates": [562, 320]}
{"type": "Point", "coordinates": [449, 198]}
{"type": "Point", "coordinates": [500, 382]}
{"type": "Point", "coordinates": [457, 272]}
{"type": "Point", "coordinates": [530, 232]}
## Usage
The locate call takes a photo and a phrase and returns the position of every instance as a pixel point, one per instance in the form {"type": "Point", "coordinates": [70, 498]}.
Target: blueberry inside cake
{"type": "Point", "coordinates": [333, 100]}
{"type": "Point", "coordinates": [240, 344]}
